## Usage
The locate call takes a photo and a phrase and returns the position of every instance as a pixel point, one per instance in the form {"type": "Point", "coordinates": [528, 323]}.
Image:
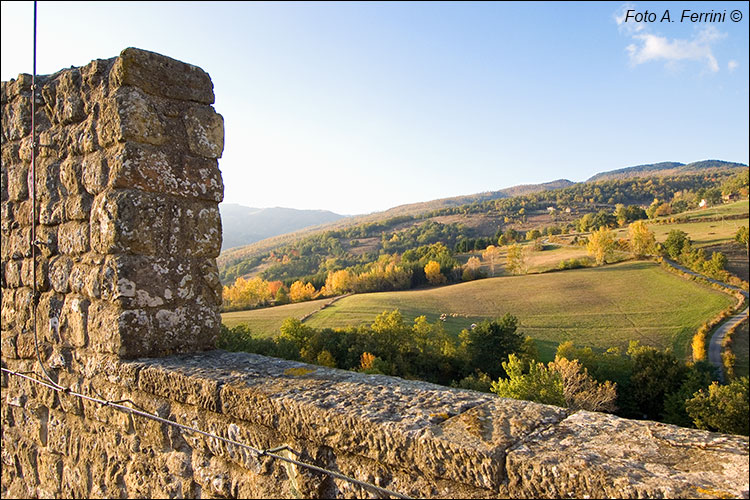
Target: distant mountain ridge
{"type": "Point", "coordinates": [665, 168]}
{"type": "Point", "coordinates": [245, 225]}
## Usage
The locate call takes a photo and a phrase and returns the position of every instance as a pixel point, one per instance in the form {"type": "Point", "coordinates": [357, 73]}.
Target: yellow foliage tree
{"type": "Point", "coordinates": [491, 254]}
{"type": "Point", "coordinates": [366, 360]}
{"type": "Point", "coordinates": [245, 294]}
{"type": "Point", "coordinates": [433, 274]}
{"type": "Point", "coordinates": [515, 260]}
{"type": "Point", "coordinates": [338, 282]}
{"type": "Point", "coordinates": [301, 291]}
{"type": "Point", "coordinates": [601, 245]}
{"type": "Point", "coordinates": [642, 241]}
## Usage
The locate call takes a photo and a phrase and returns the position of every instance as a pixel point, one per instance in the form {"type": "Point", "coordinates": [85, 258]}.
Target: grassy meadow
{"type": "Point", "coordinates": [267, 321]}
{"type": "Point", "coordinates": [597, 307]}
{"type": "Point", "coordinates": [702, 232]}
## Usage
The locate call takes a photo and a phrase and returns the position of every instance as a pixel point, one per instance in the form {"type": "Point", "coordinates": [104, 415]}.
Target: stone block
{"type": "Point", "coordinates": [48, 312]}
{"type": "Point", "coordinates": [16, 116]}
{"type": "Point", "coordinates": [12, 274]}
{"type": "Point", "coordinates": [130, 221]}
{"type": "Point", "coordinates": [19, 243]}
{"type": "Point", "coordinates": [166, 171]}
{"type": "Point", "coordinates": [47, 236]}
{"type": "Point", "coordinates": [73, 238]}
{"type": "Point", "coordinates": [71, 176]}
{"type": "Point", "coordinates": [95, 172]}
{"type": "Point", "coordinates": [161, 75]}
{"type": "Point", "coordinates": [17, 181]}
{"type": "Point", "coordinates": [60, 268]}
{"type": "Point", "coordinates": [135, 118]}
{"type": "Point", "coordinates": [205, 131]}
{"type": "Point", "coordinates": [27, 274]}
{"type": "Point", "coordinates": [74, 321]}
{"type": "Point", "coordinates": [103, 327]}
{"type": "Point", "coordinates": [196, 230]}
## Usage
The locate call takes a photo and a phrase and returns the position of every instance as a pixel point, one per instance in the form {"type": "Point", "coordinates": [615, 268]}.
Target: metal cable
{"type": "Point", "coordinates": [32, 194]}
{"type": "Point", "coordinates": [258, 452]}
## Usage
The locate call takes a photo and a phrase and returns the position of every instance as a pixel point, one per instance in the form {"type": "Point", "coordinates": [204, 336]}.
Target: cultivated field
{"type": "Point", "coordinates": [598, 307]}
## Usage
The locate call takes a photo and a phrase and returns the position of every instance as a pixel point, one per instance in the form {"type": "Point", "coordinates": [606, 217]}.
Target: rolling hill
{"type": "Point", "coordinates": [360, 239]}
{"type": "Point", "coordinates": [597, 307]}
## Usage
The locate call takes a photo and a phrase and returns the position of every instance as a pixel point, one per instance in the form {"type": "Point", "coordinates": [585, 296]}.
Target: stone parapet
{"type": "Point", "coordinates": [415, 438]}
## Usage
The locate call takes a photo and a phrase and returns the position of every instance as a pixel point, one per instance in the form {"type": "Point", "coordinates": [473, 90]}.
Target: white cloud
{"type": "Point", "coordinates": [732, 65]}
{"type": "Point", "coordinates": [619, 17]}
{"type": "Point", "coordinates": [650, 47]}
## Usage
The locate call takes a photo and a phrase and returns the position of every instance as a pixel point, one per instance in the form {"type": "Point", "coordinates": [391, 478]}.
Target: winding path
{"type": "Point", "coordinates": [715, 344]}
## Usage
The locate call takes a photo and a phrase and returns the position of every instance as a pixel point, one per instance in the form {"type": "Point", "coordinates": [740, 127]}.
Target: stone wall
{"type": "Point", "coordinates": [127, 191]}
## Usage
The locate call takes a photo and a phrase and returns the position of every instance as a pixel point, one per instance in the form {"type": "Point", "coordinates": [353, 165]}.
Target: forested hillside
{"type": "Point", "coordinates": [402, 242]}
{"type": "Point", "coordinates": [667, 168]}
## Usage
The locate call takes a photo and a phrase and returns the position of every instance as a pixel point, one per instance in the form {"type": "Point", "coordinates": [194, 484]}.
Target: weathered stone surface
{"type": "Point", "coordinates": [599, 455]}
{"type": "Point", "coordinates": [205, 131]}
{"type": "Point", "coordinates": [166, 171]}
{"type": "Point", "coordinates": [160, 75]}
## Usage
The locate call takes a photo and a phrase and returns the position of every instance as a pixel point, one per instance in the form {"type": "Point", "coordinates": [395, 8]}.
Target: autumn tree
{"type": "Point", "coordinates": [562, 382]}
{"type": "Point", "coordinates": [491, 255]}
{"type": "Point", "coordinates": [299, 291]}
{"type": "Point", "coordinates": [515, 260]}
{"type": "Point", "coordinates": [601, 245]}
{"type": "Point", "coordinates": [246, 294]}
{"type": "Point", "coordinates": [433, 274]}
{"type": "Point", "coordinates": [743, 238]}
{"type": "Point", "coordinates": [580, 390]}
{"type": "Point", "coordinates": [642, 240]}
{"type": "Point", "coordinates": [472, 269]}
{"type": "Point", "coordinates": [338, 282]}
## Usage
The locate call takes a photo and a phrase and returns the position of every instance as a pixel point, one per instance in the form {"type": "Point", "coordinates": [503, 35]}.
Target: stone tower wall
{"type": "Point", "coordinates": [127, 189]}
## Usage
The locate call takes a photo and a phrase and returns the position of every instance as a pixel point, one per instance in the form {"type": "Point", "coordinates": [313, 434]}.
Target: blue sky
{"type": "Point", "coordinates": [358, 107]}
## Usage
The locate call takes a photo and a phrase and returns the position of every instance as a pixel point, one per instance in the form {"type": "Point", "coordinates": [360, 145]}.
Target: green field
{"type": "Point", "coordinates": [597, 307]}
{"type": "Point", "coordinates": [702, 233]}
{"type": "Point", "coordinates": [735, 208]}
{"type": "Point", "coordinates": [268, 320]}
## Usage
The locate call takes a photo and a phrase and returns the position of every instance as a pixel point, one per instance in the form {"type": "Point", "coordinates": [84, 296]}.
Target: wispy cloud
{"type": "Point", "coordinates": [619, 17]}
{"type": "Point", "coordinates": [648, 47]}
{"type": "Point", "coordinates": [732, 65]}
